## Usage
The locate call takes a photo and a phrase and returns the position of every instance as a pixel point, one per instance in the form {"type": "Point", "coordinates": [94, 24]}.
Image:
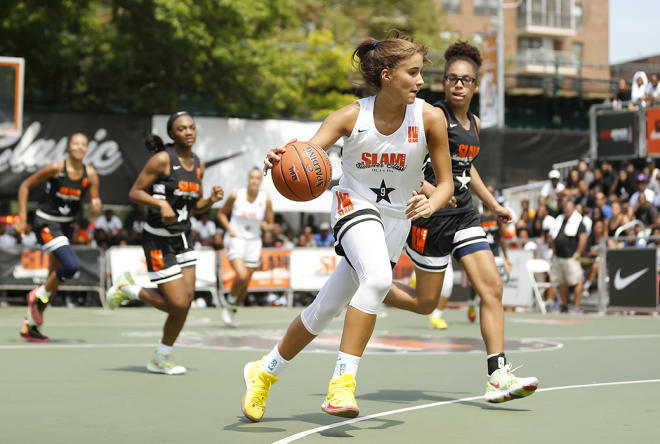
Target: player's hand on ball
{"type": "Point", "coordinates": [167, 214]}
{"type": "Point", "coordinates": [418, 206]}
{"type": "Point", "coordinates": [217, 193]}
{"type": "Point", "coordinates": [272, 157]}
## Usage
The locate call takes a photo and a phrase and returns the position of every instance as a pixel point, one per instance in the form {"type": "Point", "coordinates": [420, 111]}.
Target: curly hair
{"type": "Point", "coordinates": [462, 50]}
{"type": "Point", "coordinates": [372, 56]}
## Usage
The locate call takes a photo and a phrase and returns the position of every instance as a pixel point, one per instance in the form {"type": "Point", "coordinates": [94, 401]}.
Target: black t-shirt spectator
{"type": "Point", "coordinates": [646, 214]}
{"type": "Point", "coordinates": [565, 246]}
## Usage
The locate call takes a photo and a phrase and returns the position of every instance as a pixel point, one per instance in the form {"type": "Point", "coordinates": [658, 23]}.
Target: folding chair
{"type": "Point", "coordinates": [538, 266]}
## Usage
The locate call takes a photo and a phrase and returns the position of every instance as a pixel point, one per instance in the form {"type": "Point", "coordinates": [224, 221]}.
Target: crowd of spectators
{"type": "Point", "coordinates": [615, 202]}
{"type": "Point", "coordinates": [644, 92]}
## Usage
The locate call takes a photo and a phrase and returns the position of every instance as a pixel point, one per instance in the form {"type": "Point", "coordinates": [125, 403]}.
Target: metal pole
{"type": "Point", "coordinates": [500, 65]}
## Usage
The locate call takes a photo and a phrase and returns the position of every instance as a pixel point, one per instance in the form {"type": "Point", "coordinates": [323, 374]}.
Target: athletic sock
{"type": "Point", "coordinates": [436, 313]}
{"type": "Point", "coordinates": [31, 322]}
{"type": "Point", "coordinates": [495, 361]}
{"type": "Point", "coordinates": [346, 364]}
{"type": "Point", "coordinates": [43, 294]}
{"type": "Point", "coordinates": [134, 291]}
{"type": "Point", "coordinates": [274, 362]}
{"type": "Point", "coordinates": [163, 349]}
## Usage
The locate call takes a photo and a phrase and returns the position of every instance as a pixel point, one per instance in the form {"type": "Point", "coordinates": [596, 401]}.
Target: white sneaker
{"type": "Point", "coordinates": [228, 317]}
{"type": "Point", "coordinates": [118, 292]}
{"type": "Point", "coordinates": [161, 363]}
{"type": "Point", "coordinates": [503, 385]}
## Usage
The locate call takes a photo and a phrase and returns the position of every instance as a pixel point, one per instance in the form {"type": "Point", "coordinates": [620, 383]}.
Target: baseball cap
{"type": "Point", "coordinates": [554, 174]}
{"type": "Point", "coordinates": [324, 226]}
{"type": "Point", "coordinates": [641, 177]}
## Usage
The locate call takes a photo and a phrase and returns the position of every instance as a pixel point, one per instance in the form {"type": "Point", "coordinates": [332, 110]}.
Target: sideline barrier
{"type": "Point", "coordinates": [131, 258]}
{"type": "Point", "coordinates": [23, 268]}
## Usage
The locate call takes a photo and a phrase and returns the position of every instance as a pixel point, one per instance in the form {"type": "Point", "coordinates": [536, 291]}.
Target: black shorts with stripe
{"type": "Point", "coordinates": [51, 235]}
{"type": "Point", "coordinates": [431, 241]}
{"type": "Point", "coordinates": [166, 256]}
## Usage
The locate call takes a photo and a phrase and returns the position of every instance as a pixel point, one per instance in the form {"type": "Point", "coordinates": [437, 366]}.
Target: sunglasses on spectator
{"type": "Point", "coordinates": [466, 80]}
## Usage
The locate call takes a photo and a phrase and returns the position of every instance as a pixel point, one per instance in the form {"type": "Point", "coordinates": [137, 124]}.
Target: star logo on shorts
{"type": "Point", "coordinates": [382, 193]}
{"type": "Point", "coordinates": [183, 214]}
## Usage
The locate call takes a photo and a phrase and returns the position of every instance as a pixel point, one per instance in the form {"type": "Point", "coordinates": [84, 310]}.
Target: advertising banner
{"type": "Point", "coordinates": [273, 272]}
{"type": "Point", "coordinates": [653, 132]}
{"type": "Point", "coordinates": [22, 266]}
{"type": "Point", "coordinates": [115, 149]}
{"type": "Point", "coordinates": [488, 82]}
{"type": "Point", "coordinates": [616, 134]}
{"type": "Point", "coordinates": [131, 258]}
{"type": "Point", "coordinates": [633, 277]}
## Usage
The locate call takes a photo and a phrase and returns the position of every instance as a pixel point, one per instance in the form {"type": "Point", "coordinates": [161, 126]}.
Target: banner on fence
{"type": "Point", "coordinates": [131, 258]}
{"type": "Point", "coordinates": [633, 277]}
{"type": "Point", "coordinates": [273, 272]}
{"type": "Point", "coordinates": [29, 266]}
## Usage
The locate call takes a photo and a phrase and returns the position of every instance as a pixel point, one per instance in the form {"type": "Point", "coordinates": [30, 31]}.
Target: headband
{"type": "Point", "coordinates": [173, 117]}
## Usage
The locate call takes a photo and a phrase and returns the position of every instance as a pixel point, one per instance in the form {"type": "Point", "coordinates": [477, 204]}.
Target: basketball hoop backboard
{"type": "Point", "coordinates": [12, 72]}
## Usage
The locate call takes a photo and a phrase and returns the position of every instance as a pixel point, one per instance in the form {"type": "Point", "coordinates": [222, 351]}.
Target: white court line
{"type": "Point", "coordinates": [54, 346]}
{"type": "Point", "coordinates": [300, 435]}
{"type": "Point", "coordinates": [595, 338]}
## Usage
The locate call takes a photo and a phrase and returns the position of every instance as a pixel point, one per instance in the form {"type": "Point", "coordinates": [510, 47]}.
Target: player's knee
{"type": "Point", "coordinates": [70, 266]}
{"type": "Point", "coordinates": [492, 290]}
{"type": "Point", "coordinates": [242, 276]}
{"type": "Point", "coordinates": [180, 306]}
{"type": "Point", "coordinates": [426, 306]}
{"type": "Point", "coordinates": [378, 281]}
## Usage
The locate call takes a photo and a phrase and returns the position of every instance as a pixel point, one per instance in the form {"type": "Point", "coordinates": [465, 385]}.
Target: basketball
{"type": "Point", "coordinates": [303, 172]}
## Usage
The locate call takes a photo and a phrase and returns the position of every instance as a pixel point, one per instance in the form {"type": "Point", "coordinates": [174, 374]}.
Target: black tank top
{"type": "Point", "coordinates": [463, 149]}
{"type": "Point", "coordinates": [181, 190]}
{"type": "Point", "coordinates": [63, 196]}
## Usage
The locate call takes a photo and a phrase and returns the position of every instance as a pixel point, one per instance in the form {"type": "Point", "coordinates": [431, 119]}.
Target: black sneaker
{"type": "Point", "coordinates": [32, 333]}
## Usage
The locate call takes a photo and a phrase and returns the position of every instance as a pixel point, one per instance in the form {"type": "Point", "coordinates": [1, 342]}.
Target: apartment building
{"type": "Point", "coordinates": [551, 47]}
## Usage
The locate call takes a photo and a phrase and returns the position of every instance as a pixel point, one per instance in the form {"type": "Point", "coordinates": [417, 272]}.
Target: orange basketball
{"type": "Point", "coordinates": [303, 172]}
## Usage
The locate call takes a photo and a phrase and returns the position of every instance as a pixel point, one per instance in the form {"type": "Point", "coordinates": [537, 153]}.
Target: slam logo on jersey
{"type": "Point", "coordinates": [391, 161]}
{"type": "Point", "coordinates": [188, 190]}
{"type": "Point", "coordinates": [66, 193]}
{"type": "Point", "coordinates": [413, 134]}
{"type": "Point", "coordinates": [466, 153]}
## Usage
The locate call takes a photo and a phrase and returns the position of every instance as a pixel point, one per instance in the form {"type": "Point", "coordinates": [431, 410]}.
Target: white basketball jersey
{"type": "Point", "coordinates": [384, 169]}
{"type": "Point", "coordinates": [246, 217]}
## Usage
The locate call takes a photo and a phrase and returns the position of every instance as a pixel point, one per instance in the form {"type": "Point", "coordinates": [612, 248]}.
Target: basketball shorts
{"type": "Point", "coordinates": [431, 241]}
{"type": "Point", "coordinates": [167, 255]}
{"type": "Point", "coordinates": [247, 249]}
{"type": "Point", "coordinates": [52, 235]}
{"type": "Point", "coordinates": [350, 209]}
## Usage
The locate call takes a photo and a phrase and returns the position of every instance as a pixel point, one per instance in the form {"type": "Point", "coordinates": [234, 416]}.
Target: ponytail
{"type": "Point", "coordinates": [153, 143]}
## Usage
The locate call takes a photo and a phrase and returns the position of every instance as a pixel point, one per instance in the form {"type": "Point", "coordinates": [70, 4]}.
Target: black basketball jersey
{"type": "Point", "coordinates": [63, 196]}
{"type": "Point", "coordinates": [491, 226]}
{"type": "Point", "coordinates": [463, 149]}
{"type": "Point", "coordinates": [181, 190]}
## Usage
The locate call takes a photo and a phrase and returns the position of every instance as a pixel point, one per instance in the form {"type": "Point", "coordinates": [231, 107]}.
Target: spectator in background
{"type": "Point", "coordinates": [134, 222]}
{"type": "Point", "coordinates": [205, 227]}
{"type": "Point", "coordinates": [524, 204]}
{"type": "Point", "coordinates": [653, 91]}
{"type": "Point", "coordinates": [553, 187]}
{"type": "Point", "coordinates": [572, 181]}
{"type": "Point", "coordinates": [324, 237]}
{"type": "Point", "coordinates": [642, 188]}
{"type": "Point", "coordinates": [597, 182]}
{"type": "Point", "coordinates": [624, 187]}
{"type": "Point", "coordinates": [638, 92]}
{"type": "Point", "coordinates": [585, 173]}
{"type": "Point", "coordinates": [280, 241]}
{"type": "Point", "coordinates": [622, 94]}
{"type": "Point", "coordinates": [108, 223]}
{"type": "Point", "coordinates": [80, 235]}
{"type": "Point", "coordinates": [591, 260]}
{"type": "Point", "coordinates": [586, 220]}
{"type": "Point", "coordinates": [584, 196]}
{"type": "Point", "coordinates": [645, 212]}
{"type": "Point", "coordinates": [267, 240]}
{"type": "Point", "coordinates": [609, 177]}
{"type": "Point", "coordinates": [5, 237]}
{"type": "Point", "coordinates": [29, 237]}
{"type": "Point", "coordinates": [618, 219]}
{"type": "Point", "coordinates": [569, 239]}
{"type": "Point", "coordinates": [601, 203]}
{"type": "Point", "coordinates": [306, 238]}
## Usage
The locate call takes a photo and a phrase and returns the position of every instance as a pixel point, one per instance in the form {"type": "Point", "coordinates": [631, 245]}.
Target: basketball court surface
{"type": "Point", "coordinates": [599, 381]}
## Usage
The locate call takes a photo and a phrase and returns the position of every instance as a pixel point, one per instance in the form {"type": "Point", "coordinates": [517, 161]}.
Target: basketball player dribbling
{"type": "Point", "coordinates": [457, 231]}
{"type": "Point", "coordinates": [386, 138]}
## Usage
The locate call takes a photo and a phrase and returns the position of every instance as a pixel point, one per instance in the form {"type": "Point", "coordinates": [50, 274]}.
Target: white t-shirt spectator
{"type": "Point", "coordinates": [29, 239]}
{"type": "Point", "coordinates": [7, 239]}
{"type": "Point", "coordinates": [206, 230]}
{"type": "Point", "coordinates": [650, 197]}
{"type": "Point", "coordinates": [549, 191]}
{"type": "Point", "coordinates": [112, 226]}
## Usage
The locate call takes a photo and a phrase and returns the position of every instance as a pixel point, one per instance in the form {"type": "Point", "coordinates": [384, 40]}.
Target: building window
{"type": "Point", "coordinates": [577, 52]}
{"type": "Point", "coordinates": [451, 6]}
{"type": "Point", "coordinates": [577, 13]}
{"type": "Point", "coordinates": [486, 8]}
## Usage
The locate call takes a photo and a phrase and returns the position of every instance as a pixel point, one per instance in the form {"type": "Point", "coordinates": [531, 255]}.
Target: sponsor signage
{"type": "Point", "coordinates": [273, 272]}
{"type": "Point", "coordinates": [633, 277]}
{"type": "Point", "coordinates": [115, 149]}
{"type": "Point", "coordinates": [653, 132]}
{"type": "Point", "coordinates": [488, 82]}
{"type": "Point", "coordinates": [617, 134]}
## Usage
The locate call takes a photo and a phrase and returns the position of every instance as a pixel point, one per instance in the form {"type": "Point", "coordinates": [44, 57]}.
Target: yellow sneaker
{"type": "Point", "coordinates": [257, 386]}
{"type": "Point", "coordinates": [340, 400]}
{"type": "Point", "coordinates": [438, 323]}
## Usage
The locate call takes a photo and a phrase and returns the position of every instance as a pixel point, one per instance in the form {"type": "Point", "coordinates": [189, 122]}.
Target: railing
{"type": "Point", "coordinates": [545, 19]}
{"type": "Point", "coordinates": [546, 57]}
